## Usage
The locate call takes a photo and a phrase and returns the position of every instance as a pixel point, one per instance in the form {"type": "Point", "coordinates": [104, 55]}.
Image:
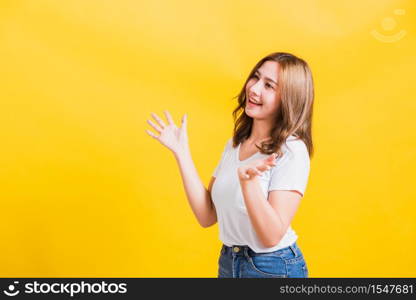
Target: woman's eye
{"type": "Point", "coordinates": [267, 84]}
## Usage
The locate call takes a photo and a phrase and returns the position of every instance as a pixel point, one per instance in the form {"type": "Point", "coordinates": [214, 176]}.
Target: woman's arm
{"type": "Point", "coordinates": [199, 197]}
{"type": "Point", "coordinates": [272, 218]}
{"type": "Point", "coordinates": [176, 140]}
{"type": "Point", "coordinates": [269, 217]}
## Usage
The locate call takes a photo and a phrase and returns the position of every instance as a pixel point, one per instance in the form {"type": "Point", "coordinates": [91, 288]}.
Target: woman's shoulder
{"type": "Point", "coordinates": [229, 143]}
{"type": "Point", "coordinates": [295, 146]}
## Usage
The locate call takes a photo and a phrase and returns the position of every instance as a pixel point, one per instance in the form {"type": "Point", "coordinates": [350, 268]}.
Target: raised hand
{"type": "Point", "coordinates": [256, 167]}
{"type": "Point", "coordinates": [172, 137]}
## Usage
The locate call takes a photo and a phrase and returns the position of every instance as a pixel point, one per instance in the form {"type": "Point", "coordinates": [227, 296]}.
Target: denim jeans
{"type": "Point", "coordinates": [242, 262]}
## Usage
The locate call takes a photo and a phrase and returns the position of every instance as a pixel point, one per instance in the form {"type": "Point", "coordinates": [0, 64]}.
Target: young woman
{"type": "Point", "coordinates": [261, 178]}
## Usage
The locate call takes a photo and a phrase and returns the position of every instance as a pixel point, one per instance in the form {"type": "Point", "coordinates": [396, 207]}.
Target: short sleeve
{"type": "Point", "coordinates": [292, 170]}
{"type": "Point", "coordinates": [218, 167]}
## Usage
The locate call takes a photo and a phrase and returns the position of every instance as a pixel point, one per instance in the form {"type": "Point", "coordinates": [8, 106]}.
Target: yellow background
{"type": "Point", "coordinates": [86, 192]}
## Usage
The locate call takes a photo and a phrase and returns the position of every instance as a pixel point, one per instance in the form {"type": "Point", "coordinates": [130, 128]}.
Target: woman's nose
{"type": "Point", "coordinates": [255, 88]}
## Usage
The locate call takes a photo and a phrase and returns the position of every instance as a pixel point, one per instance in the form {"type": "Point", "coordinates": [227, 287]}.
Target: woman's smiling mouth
{"type": "Point", "coordinates": [252, 103]}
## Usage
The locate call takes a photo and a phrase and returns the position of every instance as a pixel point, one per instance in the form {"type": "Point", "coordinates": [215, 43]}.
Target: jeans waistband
{"type": "Point", "coordinates": [244, 249]}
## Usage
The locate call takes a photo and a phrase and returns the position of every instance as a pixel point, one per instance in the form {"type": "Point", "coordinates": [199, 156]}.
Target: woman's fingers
{"type": "Point", "coordinates": [265, 164]}
{"type": "Point", "coordinates": [157, 128]}
{"type": "Point", "coordinates": [151, 134]}
{"type": "Point", "coordinates": [255, 171]}
{"type": "Point", "coordinates": [169, 118]}
{"type": "Point", "coordinates": [271, 159]}
{"type": "Point", "coordinates": [159, 120]}
{"type": "Point", "coordinates": [259, 166]}
{"type": "Point", "coordinates": [250, 173]}
{"type": "Point", "coordinates": [184, 122]}
{"type": "Point", "coordinates": [262, 167]}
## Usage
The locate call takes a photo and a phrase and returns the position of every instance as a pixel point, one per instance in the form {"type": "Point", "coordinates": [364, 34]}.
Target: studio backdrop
{"type": "Point", "coordinates": [86, 192]}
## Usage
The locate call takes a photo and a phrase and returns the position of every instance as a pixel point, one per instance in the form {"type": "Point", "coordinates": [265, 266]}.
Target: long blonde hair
{"type": "Point", "coordinates": [294, 116]}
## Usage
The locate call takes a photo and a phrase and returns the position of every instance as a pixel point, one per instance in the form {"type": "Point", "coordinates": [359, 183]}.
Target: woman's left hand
{"type": "Point", "coordinates": [256, 167]}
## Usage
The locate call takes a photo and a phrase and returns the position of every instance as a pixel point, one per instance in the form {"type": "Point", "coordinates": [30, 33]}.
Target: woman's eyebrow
{"type": "Point", "coordinates": [267, 78]}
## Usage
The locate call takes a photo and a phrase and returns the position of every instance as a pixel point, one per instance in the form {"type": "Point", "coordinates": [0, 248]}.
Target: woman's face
{"type": "Point", "coordinates": [262, 88]}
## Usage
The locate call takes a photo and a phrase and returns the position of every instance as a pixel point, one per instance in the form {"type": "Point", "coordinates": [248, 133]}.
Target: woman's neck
{"type": "Point", "coordinates": [260, 131]}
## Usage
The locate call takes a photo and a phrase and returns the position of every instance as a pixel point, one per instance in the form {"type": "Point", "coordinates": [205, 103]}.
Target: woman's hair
{"type": "Point", "coordinates": [294, 116]}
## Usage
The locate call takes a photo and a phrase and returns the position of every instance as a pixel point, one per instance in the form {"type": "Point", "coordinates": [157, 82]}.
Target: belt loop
{"type": "Point", "coordinates": [293, 250]}
{"type": "Point", "coordinates": [246, 252]}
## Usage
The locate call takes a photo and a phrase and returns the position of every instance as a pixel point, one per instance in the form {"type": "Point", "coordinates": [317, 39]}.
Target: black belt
{"type": "Point", "coordinates": [240, 249]}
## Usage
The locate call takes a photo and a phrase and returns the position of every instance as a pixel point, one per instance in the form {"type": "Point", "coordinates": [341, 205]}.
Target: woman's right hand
{"type": "Point", "coordinates": [174, 138]}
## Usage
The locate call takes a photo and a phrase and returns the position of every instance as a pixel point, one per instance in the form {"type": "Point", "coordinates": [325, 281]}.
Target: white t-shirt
{"type": "Point", "coordinates": [290, 173]}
